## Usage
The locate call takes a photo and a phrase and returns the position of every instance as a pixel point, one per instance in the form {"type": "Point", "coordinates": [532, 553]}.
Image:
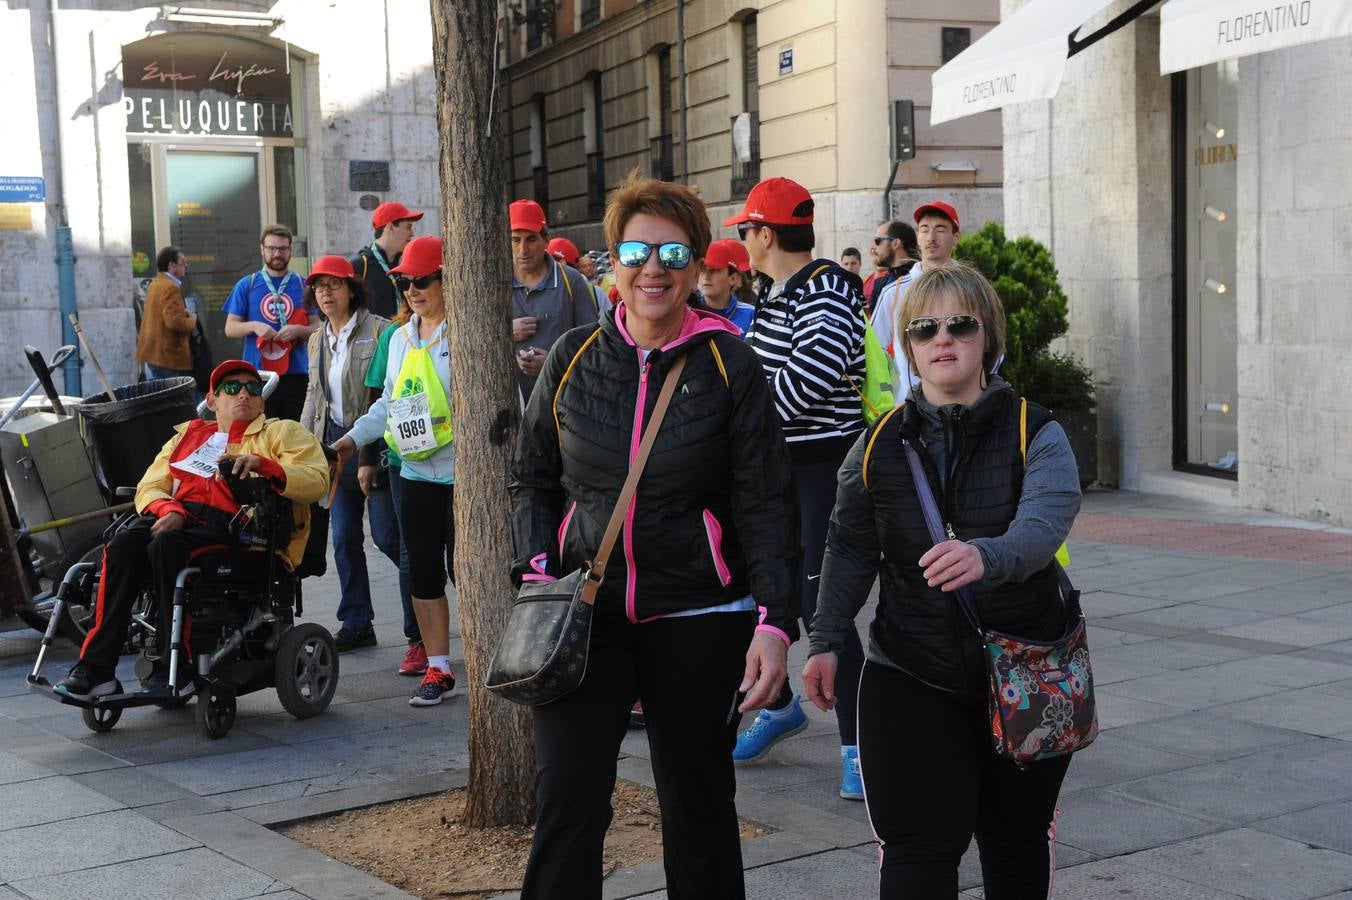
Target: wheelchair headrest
{"type": "Point", "coordinates": [270, 382]}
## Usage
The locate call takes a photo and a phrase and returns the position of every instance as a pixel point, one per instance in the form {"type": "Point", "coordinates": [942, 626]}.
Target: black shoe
{"type": "Point", "coordinates": [353, 638]}
{"type": "Point", "coordinates": [159, 679]}
{"type": "Point", "coordinates": [86, 682]}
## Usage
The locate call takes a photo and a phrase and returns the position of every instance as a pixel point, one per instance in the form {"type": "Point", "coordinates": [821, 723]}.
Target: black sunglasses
{"type": "Point", "coordinates": [926, 328]}
{"type": "Point", "coordinates": [421, 282]}
{"type": "Point", "coordinates": [746, 228]}
{"type": "Point", "coordinates": [883, 239]}
{"type": "Point", "coordinates": [673, 255]}
{"type": "Point", "coordinates": [232, 388]}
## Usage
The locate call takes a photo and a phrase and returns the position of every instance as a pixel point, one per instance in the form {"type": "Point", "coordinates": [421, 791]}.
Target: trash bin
{"type": "Point", "coordinates": [127, 432]}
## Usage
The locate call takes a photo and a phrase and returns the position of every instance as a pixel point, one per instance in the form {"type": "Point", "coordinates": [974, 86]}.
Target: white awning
{"type": "Point", "coordinates": [1198, 32]}
{"type": "Point", "coordinates": [1020, 59]}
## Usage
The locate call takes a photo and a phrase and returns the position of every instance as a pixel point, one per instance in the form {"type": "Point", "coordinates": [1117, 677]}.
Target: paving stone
{"type": "Point", "coordinates": [1337, 688]}
{"type": "Point", "coordinates": [133, 786]}
{"type": "Point", "coordinates": [1274, 601]}
{"type": "Point", "coordinates": [51, 799]}
{"type": "Point", "coordinates": [172, 737]}
{"type": "Point", "coordinates": [30, 705]}
{"type": "Point", "coordinates": [1137, 572]}
{"type": "Point", "coordinates": [1308, 710]}
{"type": "Point", "coordinates": [14, 767]}
{"type": "Point", "coordinates": [115, 837]}
{"type": "Point", "coordinates": [1184, 617]}
{"type": "Point", "coordinates": [1204, 735]}
{"type": "Point", "coordinates": [1205, 579]}
{"type": "Point", "coordinates": [838, 873]}
{"type": "Point", "coordinates": [1200, 688]}
{"type": "Point", "coordinates": [290, 790]}
{"type": "Point", "coordinates": [14, 733]}
{"type": "Point", "coordinates": [1167, 654]}
{"type": "Point", "coordinates": [1299, 631]}
{"type": "Point", "coordinates": [1283, 670]}
{"type": "Point", "coordinates": [1112, 760]}
{"type": "Point", "coordinates": [70, 758]}
{"type": "Point", "coordinates": [1253, 787]}
{"type": "Point", "coordinates": [1117, 879]}
{"type": "Point", "coordinates": [1108, 824]}
{"type": "Point", "coordinates": [245, 769]}
{"type": "Point", "coordinates": [1252, 864]}
{"type": "Point", "coordinates": [200, 873]}
{"type": "Point", "coordinates": [1103, 604]}
{"type": "Point", "coordinates": [336, 721]}
{"type": "Point", "coordinates": [1114, 710]}
{"type": "Point", "coordinates": [1322, 826]}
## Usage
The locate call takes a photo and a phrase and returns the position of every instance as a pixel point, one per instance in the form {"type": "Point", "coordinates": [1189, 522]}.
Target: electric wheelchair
{"type": "Point", "coordinates": [234, 628]}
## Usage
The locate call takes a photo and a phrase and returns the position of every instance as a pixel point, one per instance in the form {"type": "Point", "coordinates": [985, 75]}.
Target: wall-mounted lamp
{"type": "Point", "coordinates": [1222, 408]}
{"type": "Point", "coordinates": [1213, 128]}
{"type": "Point", "coordinates": [968, 166]}
{"type": "Point", "coordinates": [198, 16]}
{"type": "Point", "coordinates": [1217, 286]}
{"type": "Point", "coordinates": [1218, 214]}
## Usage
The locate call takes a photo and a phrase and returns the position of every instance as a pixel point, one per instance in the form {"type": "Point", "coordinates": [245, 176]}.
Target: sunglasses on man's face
{"type": "Point", "coordinates": [883, 239]}
{"type": "Point", "coordinates": [421, 282]}
{"type": "Point", "coordinates": [746, 228]}
{"type": "Point", "coordinates": [924, 329]}
{"type": "Point", "coordinates": [232, 388]}
{"type": "Point", "coordinates": [633, 254]}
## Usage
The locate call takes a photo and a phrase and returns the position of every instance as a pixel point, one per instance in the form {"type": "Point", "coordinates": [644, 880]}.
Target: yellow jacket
{"type": "Point", "coordinates": [295, 451]}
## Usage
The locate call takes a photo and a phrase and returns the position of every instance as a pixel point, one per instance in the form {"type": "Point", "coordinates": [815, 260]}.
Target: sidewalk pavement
{"type": "Point", "coordinates": [1222, 650]}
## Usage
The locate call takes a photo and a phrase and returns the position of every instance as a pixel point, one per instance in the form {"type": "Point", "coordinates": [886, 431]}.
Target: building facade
{"type": "Point", "coordinates": [1202, 226]}
{"type": "Point", "coordinates": [157, 125]}
{"type": "Point", "coordinates": [798, 88]}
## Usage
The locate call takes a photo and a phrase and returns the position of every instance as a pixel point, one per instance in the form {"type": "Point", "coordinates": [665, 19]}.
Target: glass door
{"type": "Point", "coordinates": [1207, 369]}
{"type": "Point", "coordinates": [214, 209]}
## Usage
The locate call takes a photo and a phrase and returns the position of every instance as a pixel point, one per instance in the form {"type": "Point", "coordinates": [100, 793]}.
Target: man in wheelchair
{"type": "Point", "coordinates": [186, 505]}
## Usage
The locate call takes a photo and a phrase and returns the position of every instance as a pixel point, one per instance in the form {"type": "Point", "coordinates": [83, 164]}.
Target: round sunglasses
{"type": "Point", "coordinates": [421, 282]}
{"type": "Point", "coordinates": [232, 388]}
{"type": "Point", "coordinates": [632, 254]}
{"type": "Point", "coordinates": [924, 329]}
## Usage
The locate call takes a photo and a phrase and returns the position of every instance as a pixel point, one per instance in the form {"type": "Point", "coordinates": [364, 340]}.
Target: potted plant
{"type": "Point", "coordinates": [1025, 278]}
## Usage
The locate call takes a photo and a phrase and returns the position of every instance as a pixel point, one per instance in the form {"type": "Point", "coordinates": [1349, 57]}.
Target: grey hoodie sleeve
{"type": "Point", "coordinates": [852, 554]}
{"type": "Point", "coordinates": [1047, 508]}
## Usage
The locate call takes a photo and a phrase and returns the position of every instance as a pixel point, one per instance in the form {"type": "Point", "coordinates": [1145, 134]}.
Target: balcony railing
{"type": "Point", "coordinates": [662, 161]}
{"type": "Point", "coordinates": [745, 156]}
{"type": "Point", "coordinates": [540, 178]}
{"type": "Point", "coordinates": [596, 185]}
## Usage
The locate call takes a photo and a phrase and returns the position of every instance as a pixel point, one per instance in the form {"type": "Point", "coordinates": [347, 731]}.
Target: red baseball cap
{"type": "Point", "coordinates": [940, 207]}
{"type": "Point", "coordinates": [564, 249]}
{"type": "Point", "coordinates": [230, 367]}
{"type": "Point", "coordinates": [392, 212]}
{"type": "Point", "coordinates": [772, 202]}
{"type": "Point", "coordinates": [723, 254]}
{"type": "Point", "coordinates": [336, 266]}
{"type": "Point", "coordinates": [422, 256]}
{"type": "Point", "coordinates": [526, 215]}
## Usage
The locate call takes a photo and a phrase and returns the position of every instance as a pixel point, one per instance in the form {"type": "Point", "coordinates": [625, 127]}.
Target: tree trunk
{"type": "Point", "coordinates": [484, 400]}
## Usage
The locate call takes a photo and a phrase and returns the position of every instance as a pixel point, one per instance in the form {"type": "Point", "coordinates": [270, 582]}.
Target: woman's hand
{"type": "Point", "coordinates": [819, 679]}
{"type": "Point", "coordinates": [366, 478]}
{"type": "Point", "coordinates": [767, 661]}
{"type": "Point", "coordinates": [952, 564]}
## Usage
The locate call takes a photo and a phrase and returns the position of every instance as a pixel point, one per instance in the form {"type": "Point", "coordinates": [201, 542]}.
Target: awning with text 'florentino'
{"type": "Point", "coordinates": [1199, 32]}
{"type": "Point", "coordinates": [1020, 59]}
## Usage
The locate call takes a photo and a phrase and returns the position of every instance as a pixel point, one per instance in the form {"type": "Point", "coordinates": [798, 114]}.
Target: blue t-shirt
{"type": "Point", "coordinates": [738, 313]}
{"type": "Point", "coordinates": [253, 300]}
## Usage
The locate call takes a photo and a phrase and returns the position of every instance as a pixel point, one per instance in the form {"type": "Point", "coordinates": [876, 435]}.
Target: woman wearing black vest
{"type": "Point", "coordinates": [931, 777]}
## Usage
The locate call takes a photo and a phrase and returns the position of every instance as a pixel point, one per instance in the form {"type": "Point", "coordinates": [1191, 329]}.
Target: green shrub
{"type": "Point", "coordinates": [1023, 274]}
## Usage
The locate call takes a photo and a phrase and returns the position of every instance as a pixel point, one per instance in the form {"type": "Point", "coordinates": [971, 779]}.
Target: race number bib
{"type": "Point", "coordinates": [203, 461]}
{"type": "Point", "coordinates": [410, 422]}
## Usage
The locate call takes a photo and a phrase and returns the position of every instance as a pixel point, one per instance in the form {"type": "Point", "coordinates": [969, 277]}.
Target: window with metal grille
{"type": "Point", "coordinates": [591, 12]}
{"type": "Point", "coordinates": [954, 41]}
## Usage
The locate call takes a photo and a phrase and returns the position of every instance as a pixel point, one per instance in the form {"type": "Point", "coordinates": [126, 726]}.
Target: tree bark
{"type": "Point", "coordinates": [477, 286]}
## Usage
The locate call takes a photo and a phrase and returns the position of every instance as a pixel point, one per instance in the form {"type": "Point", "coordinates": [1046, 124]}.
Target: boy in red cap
{"type": "Point", "coordinates": [547, 298]}
{"type": "Point", "coordinates": [809, 334]}
{"type": "Point", "coordinates": [937, 230]}
{"type": "Point", "coordinates": [184, 505]}
{"type": "Point", "coordinates": [720, 280]}
{"type": "Point", "coordinates": [393, 223]}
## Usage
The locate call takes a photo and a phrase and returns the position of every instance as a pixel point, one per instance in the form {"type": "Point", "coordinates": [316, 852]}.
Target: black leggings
{"type": "Point", "coordinates": [932, 780]}
{"type": "Point", "coordinates": [427, 522]}
{"type": "Point", "coordinates": [816, 483]}
{"type": "Point", "coordinates": [686, 671]}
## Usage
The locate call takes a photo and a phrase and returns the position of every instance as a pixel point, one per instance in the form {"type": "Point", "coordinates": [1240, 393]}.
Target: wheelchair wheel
{"type": "Point", "coordinates": [306, 670]}
{"type": "Point", "coordinates": [101, 718]}
{"type": "Point", "coordinates": [215, 711]}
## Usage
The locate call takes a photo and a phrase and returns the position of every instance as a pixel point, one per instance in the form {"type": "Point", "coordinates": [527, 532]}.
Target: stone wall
{"type": "Point", "coordinates": [1295, 261]}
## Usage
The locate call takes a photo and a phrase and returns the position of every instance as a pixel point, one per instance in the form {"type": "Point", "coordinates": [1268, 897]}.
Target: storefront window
{"type": "Point", "coordinates": [1208, 399]}
{"type": "Point", "coordinates": [215, 151]}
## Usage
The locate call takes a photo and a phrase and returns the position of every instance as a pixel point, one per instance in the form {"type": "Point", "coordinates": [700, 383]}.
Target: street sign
{"type": "Point", "coordinates": [786, 61]}
{"type": "Point", "coordinates": [22, 189]}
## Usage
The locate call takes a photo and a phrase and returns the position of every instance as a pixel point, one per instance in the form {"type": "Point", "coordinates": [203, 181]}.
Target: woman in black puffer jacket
{"type": "Point", "coordinates": [710, 527]}
{"type": "Point", "coordinates": [931, 776]}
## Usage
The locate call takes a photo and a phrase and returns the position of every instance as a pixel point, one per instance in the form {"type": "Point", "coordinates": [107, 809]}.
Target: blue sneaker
{"type": "Point", "coordinates": [767, 730]}
{"type": "Point", "coordinates": [851, 782]}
